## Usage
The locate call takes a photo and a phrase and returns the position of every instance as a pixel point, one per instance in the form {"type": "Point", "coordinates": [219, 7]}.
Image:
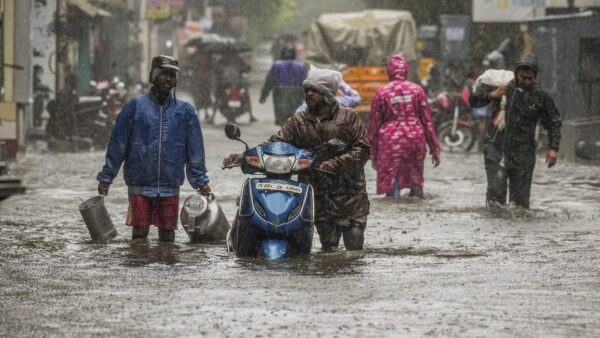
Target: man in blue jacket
{"type": "Point", "coordinates": [156, 136]}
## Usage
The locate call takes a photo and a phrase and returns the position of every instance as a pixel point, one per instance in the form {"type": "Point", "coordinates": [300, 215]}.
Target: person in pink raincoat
{"type": "Point", "coordinates": [399, 127]}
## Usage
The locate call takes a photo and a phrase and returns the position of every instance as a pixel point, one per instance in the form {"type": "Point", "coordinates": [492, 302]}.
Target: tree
{"type": "Point", "coordinates": [260, 14]}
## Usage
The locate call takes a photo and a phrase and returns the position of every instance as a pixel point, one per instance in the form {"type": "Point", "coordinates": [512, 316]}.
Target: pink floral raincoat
{"type": "Point", "coordinates": [399, 126]}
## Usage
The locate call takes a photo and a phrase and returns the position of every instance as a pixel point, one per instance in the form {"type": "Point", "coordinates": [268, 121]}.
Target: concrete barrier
{"type": "Point", "coordinates": [573, 131]}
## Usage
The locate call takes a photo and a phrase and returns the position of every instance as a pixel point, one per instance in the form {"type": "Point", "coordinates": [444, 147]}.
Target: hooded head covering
{"type": "Point", "coordinates": [288, 52]}
{"type": "Point", "coordinates": [494, 60]}
{"type": "Point", "coordinates": [397, 67]}
{"type": "Point", "coordinates": [325, 81]}
{"type": "Point", "coordinates": [160, 63]}
{"type": "Point", "coordinates": [528, 61]}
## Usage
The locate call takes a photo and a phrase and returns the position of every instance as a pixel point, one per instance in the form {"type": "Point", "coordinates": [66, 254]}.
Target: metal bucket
{"type": "Point", "coordinates": [96, 218]}
{"type": "Point", "coordinates": [203, 219]}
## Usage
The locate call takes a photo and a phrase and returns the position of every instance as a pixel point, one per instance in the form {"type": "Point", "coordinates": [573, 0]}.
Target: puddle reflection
{"type": "Point", "coordinates": [433, 252]}
{"type": "Point", "coordinates": [143, 254]}
{"type": "Point", "coordinates": [316, 264]}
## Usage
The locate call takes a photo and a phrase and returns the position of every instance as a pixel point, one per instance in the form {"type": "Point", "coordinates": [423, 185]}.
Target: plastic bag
{"type": "Point", "coordinates": [329, 78]}
{"type": "Point", "coordinates": [496, 78]}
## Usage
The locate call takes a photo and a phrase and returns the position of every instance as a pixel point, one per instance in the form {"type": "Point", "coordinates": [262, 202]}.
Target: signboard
{"type": "Point", "coordinates": [577, 3]}
{"type": "Point", "coordinates": [177, 5]}
{"type": "Point", "coordinates": [508, 10]}
{"type": "Point", "coordinates": [163, 9]}
{"type": "Point", "coordinates": [455, 38]}
{"type": "Point", "coordinates": [158, 9]}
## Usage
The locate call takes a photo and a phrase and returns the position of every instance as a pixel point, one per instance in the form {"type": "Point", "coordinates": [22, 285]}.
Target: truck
{"type": "Point", "coordinates": [359, 45]}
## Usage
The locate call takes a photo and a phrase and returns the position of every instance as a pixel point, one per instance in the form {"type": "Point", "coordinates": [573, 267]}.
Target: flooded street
{"type": "Point", "coordinates": [445, 266]}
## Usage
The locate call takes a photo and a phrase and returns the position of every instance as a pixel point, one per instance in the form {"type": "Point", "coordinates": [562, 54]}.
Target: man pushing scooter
{"type": "Point", "coordinates": [341, 201]}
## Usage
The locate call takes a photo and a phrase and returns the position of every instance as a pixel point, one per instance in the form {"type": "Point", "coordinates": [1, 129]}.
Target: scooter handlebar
{"type": "Point", "coordinates": [239, 165]}
{"type": "Point", "coordinates": [325, 171]}
{"type": "Point", "coordinates": [230, 166]}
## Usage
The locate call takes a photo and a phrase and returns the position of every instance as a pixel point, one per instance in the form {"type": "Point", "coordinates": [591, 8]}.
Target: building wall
{"type": "Point", "coordinates": [22, 51]}
{"type": "Point", "coordinates": [43, 39]}
{"type": "Point", "coordinates": [14, 104]}
{"type": "Point", "coordinates": [9, 51]}
{"type": "Point", "coordinates": [557, 44]}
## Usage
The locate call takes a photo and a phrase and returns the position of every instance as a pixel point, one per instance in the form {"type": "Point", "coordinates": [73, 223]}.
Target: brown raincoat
{"type": "Point", "coordinates": [342, 196]}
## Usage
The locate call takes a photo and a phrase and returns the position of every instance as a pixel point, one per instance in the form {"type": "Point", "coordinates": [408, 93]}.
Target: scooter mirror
{"type": "Point", "coordinates": [232, 131]}
{"type": "Point", "coordinates": [336, 146]}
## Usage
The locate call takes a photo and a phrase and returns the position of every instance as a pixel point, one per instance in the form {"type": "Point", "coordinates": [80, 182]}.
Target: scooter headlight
{"type": "Point", "coordinates": [278, 164]}
{"type": "Point", "coordinates": [254, 161]}
{"type": "Point", "coordinates": [302, 164]}
{"type": "Point", "coordinates": [274, 249]}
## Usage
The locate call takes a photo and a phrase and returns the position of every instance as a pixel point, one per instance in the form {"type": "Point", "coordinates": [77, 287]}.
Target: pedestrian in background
{"type": "Point", "coordinates": [285, 80]}
{"type": "Point", "coordinates": [400, 126]}
{"type": "Point", "coordinates": [156, 135]}
{"type": "Point", "coordinates": [509, 149]}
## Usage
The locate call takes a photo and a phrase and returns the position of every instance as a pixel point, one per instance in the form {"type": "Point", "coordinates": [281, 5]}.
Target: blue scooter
{"type": "Point", "coordinates": [275, 214]}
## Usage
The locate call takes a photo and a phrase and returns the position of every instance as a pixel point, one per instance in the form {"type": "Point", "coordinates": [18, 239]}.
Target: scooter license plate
{"type": "Point", "coordinates": [279, 187]}
{"type": "Point", "coordinates": [235, 104]}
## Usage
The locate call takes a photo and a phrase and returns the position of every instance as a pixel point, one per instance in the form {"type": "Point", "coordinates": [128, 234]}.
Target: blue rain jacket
{"type": "Point", "coordinates": [155, 143]}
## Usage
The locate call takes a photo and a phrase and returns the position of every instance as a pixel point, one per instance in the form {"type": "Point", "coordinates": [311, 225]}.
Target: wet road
{"type": "Point", "coordinates": [444, 266]}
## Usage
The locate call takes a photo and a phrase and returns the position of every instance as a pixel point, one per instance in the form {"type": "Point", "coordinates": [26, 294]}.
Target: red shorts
{"type": "Point", "coordinates": [160, 211]}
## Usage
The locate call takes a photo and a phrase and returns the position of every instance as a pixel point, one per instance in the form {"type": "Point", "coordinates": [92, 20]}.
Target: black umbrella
{"type": "Point", "coordinates": [215, 43]}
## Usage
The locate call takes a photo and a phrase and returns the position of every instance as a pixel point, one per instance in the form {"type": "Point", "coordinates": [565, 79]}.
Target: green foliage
{"type": "Point", "coordinates": [295, 16]}
{"type": "Point", "coordinates": [287, 11]}
{"type": "Point", "coordinates": [261, 15]}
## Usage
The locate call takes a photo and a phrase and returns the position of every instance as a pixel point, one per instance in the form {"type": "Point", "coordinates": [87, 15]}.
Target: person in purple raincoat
{"type": "Point", "coordinates": [285, 80]}
{"type": "Point", "coordinates": [399, 128]}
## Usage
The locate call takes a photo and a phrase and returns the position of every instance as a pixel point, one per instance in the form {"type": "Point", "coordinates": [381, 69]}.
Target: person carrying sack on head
{"type": "Point", "coordinates": [510, 146]}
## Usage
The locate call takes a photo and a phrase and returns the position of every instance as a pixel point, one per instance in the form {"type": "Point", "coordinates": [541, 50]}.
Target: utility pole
{"type": "Point", "coordinates": [62, 44]}
{"type": "Point", "coordinates": [64, 105]}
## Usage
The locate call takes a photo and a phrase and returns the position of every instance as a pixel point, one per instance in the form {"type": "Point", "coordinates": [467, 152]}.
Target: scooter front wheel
{"type": "Point", "coordinates": [242, 240]}
{"type": "Point", "coordinates": [462, 139]}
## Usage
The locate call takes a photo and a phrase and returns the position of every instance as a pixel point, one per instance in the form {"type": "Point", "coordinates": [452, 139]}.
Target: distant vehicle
{"type": "Point", "coordinates": [219, 67]}
{"type": "Point", "coordinates": [360, 43]}
{"type": "Point", "coordinates": [90, 120]}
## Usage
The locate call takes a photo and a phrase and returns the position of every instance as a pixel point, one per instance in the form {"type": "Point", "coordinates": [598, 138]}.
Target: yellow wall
{"type": "Point", "coordinates": [8, 110]}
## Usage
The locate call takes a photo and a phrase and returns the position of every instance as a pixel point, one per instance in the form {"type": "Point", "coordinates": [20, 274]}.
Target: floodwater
{"type": "Point", "coordinates": [445, 266]}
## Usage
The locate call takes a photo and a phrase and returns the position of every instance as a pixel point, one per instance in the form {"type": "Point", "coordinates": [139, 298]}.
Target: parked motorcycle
{"type": "Point", "coordinates": [275, 214]}
{"type": "Point", "coordinates": [453, 120]}
{"type": "Point", "coordinates": [85, 122]}
{"type": "Point", "coordinates": [113, 92]}
{"type": "Point", "coordinates": [440, 107]}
